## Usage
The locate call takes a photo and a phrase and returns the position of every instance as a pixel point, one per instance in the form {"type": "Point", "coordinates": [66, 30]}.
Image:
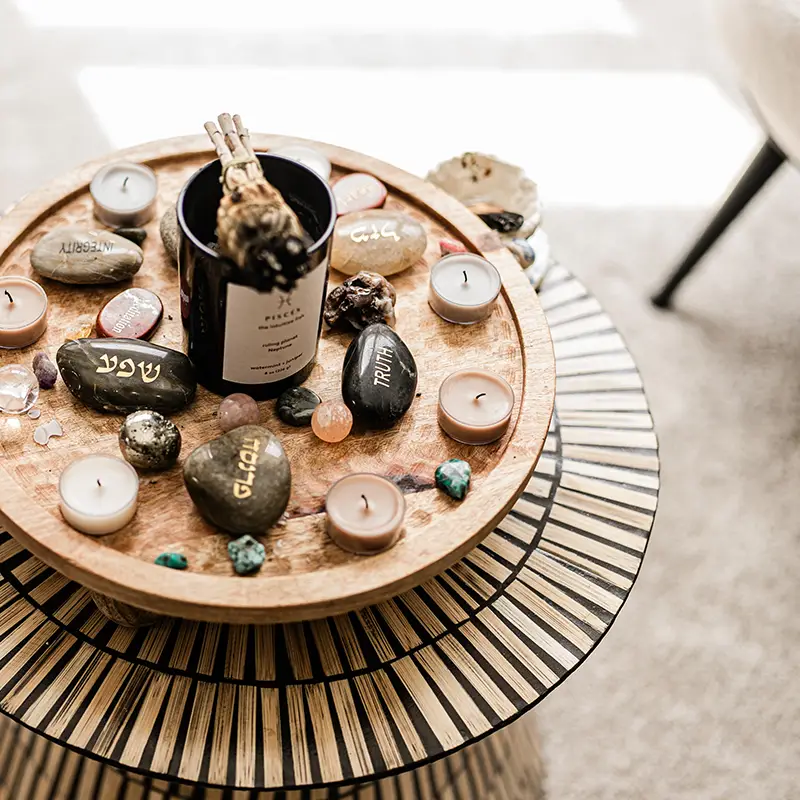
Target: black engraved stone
{"type": "Point", "coordinates": [125, 375]}
{"type": "Point", "coordinates": [379, 378]}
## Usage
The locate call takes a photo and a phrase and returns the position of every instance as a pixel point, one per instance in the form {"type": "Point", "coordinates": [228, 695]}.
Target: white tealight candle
{"type": "Point", "coordinates": [98, 494]}
{"type": "Point", "coordinates": [365, 513]}
{"type": "Point", "coordinates": [463, 288]}
{"type": "Point", "coordinates": [307, 156]}
{"type": "Point", "coordinates": [124, 194]}
{"type": "Point", "coordinates": [23, 311]}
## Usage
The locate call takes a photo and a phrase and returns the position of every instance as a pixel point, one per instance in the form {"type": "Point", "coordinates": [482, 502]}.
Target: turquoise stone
{"type": "Point", "coordinates": [172, 560]}
{"type": "Point", "coordinates": [247, 554]}
{"type": "Point", "coordinates": [453, 477]}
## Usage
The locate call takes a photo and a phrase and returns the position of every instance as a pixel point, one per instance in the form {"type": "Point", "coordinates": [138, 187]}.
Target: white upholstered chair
{"type": "Point", "coordinates": [763, 41]}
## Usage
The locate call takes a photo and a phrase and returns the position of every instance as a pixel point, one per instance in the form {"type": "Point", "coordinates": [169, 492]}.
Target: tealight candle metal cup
{"type": "Point", "coordinates": [463, 288]}
{"type": "Point", "coordinates": [23, 312]}
{"type": "Point", "coordinates": [475, 406]}
{"type": "Point", "coordinates": [241, 339]}
{"type": "Point", "coordinates": [98, 494]}
{"type": "Point", "coordinates": [365, 513]}
{"type": "Point", "coordinates": [124, 194]}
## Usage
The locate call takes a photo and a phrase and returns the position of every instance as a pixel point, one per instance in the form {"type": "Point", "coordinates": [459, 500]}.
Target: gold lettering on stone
{"type": "Point", "coordinates": [127, 368]}
{"type": "Point", "coordinates": [360, 234]}
{"type": "Point", "coordinates": [248, 459]}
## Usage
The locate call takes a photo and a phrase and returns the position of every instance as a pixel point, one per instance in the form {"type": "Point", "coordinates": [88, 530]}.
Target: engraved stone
{"type": "Point", "coordinates": [247, 554]}
{"type": "Point", "coordinates": [45, 370]}
{"type": "Point", "coordinates": [453, 477]}
{"type": "Point", "coordinates": [77, 255]}
{"type": "Point", "coordinates": [361, 300]}
{"type": "Point", "coordinates": [237, 410]}
{"type": "Point", "coordinates": [332, 421]}
{"type": "Point", "coordinates": [379, 241]}
{"type": "Point", "coordinates": [241, 481]}
{"type": "Point", "coordinates": [168, 228]}
{"type": "Point", "coordinates": [125, 375]}
{"type": "Point", "coordinates": [358, 192]}
{"type": "Point", "coordinates": [379, 378]}
{"type": "Point", "coordinates": [19, 389]}
{"type": "Point", "coordinates": [148, 440]}
{"type": "Point", "coordinates": [296, 406]}
{"type": "Point", "coordinates": [132, 314]}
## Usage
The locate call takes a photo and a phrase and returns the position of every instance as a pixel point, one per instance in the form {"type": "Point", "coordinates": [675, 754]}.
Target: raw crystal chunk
{"type": "Point", "coordinates": [362, 300]}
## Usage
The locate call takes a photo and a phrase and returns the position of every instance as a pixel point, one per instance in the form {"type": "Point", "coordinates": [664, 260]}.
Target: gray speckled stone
{"type": "Point", "coordinates": [241, 481]}
{"type": "Point", "coordinates": [148, 440]}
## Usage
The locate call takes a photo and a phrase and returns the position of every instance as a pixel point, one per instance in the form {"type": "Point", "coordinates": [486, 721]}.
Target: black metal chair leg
{"type": "Point", "coordinates": [763, 166]}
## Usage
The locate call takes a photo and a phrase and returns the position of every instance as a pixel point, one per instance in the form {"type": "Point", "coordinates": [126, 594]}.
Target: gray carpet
{"type": "Point", "coordinates": [691, 694]}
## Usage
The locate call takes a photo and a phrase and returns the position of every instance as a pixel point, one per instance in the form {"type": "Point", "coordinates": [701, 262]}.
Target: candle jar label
{"type": "Point", "coordinates": [269, 336]}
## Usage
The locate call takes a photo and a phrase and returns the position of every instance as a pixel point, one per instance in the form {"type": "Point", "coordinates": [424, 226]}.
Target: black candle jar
{"type": "Point", "coordinates": [240, 339]}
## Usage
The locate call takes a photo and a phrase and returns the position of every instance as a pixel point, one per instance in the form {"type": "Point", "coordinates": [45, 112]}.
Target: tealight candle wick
{"type": "Point", "coordinates": [478, 396]}
{"type": "Point", "coordinates": [99, 484]}
{"type": "Point", "coordinates": [125, 183]}
{"type": "Point", "coordinates": [366, 502]}
{"type": "Point", "coordinates": [464, 272]}
{"type": "Point", "coordinates": [8, 295]}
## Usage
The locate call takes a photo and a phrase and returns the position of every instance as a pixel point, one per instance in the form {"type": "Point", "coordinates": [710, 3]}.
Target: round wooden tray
{"type": "Point", "coordinates": [305, 576]}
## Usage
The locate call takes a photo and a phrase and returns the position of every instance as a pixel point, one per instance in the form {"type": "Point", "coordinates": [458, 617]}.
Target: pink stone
{"type": "Point", "coordinates": [449, 246]}
{"type": "Point", "coordinates": [358, 192]}
{"type": "Point", "coordinates": [332, 421]}
{"type": "Point", "coordinates": [237, 410]}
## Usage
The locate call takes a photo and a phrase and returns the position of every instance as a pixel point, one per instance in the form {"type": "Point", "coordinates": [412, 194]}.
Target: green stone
{"type": "Point", "coordinates": [453, 477]}
{"type": "Point", "coordinates": [172, 560]}
{"type": "Point", "coordinates": [247, 554]}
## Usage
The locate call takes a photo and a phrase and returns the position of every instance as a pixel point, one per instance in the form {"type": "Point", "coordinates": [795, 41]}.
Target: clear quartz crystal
{"type": "Point", "coordinates": [19, 389]}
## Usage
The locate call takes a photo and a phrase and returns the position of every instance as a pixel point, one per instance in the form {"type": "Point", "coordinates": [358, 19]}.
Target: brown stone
{"type": "Point", "coordinates": [358, 192]}
{"type": "Point", "coordinates": [379, 241]}
{"type": "Point", "coordinates": [132, 314]}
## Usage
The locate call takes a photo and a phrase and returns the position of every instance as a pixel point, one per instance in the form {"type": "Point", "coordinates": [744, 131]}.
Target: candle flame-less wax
{"type": "Point", "coordinates": [365, 513]}
{"type": "Point", "coordinates": [98, 494]}
{"type": "Point", "coordinates": [475, 406]}
{"type": "Point", "coordinates": [23, 311]}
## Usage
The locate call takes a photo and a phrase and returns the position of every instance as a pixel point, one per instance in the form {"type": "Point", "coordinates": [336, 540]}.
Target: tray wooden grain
{"type": "Point", "coordinates": [305, 575]}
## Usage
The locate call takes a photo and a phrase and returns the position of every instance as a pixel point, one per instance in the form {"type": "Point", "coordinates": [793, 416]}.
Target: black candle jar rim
{"type": "Point", "coordinates": [321, 240]}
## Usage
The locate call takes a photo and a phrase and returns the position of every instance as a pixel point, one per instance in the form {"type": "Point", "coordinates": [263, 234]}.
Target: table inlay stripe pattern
{"type": "Point", "coordinates": [377, 691]}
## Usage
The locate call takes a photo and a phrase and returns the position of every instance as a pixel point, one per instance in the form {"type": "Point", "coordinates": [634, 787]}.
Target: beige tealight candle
{"type": "Point", "coordinates": [475, 406]}
{"type": "Point", "coordinates": [463, 288]}
{"type": "Point", "coordinates": [23, 311]}
{"type": "Point", "coordinates": [365, 513]}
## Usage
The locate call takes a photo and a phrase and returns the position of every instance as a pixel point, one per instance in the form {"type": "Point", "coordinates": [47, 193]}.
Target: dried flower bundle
{"type": "Point", "coordinates": [256, 229]}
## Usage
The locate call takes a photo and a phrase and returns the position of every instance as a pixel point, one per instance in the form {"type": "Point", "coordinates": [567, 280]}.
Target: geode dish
{"type": "Point", "coordinates": [479, 178]}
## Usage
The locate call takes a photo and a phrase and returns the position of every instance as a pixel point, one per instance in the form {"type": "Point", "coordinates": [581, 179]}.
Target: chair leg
{"type": "Point", "coordinates": [763, 166]}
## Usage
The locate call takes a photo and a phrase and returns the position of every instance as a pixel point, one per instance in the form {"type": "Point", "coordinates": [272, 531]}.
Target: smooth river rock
{"type": "Point", "coordinates": [379, 241]}
{"type": "Point", "coordinates": [148, 440]}
{"type": "Point", "coordinates": [358, 192]}
{"type": "Point", "coordinates": [379, 378]}
{"type": "Point", "coordinates": [81, 256]}
{"type": "Point", "coordinates": [132, 314]}
{"type": "Point", "coordinates": [170, 234]}
{"type": "Point", "coordinates": [241, 481]}
{"type": "Point", "coordinates": [296, 406]}
{"type": "Point", "coordinates": [125, 375]}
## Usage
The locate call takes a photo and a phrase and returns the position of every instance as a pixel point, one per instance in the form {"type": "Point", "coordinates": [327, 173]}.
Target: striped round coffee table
{"type": "Point", "coordinates": [394, 701]}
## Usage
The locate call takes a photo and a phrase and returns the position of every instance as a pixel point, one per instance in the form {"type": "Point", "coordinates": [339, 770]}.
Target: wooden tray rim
{"type": "Point", "coordinates": [215, 598]}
